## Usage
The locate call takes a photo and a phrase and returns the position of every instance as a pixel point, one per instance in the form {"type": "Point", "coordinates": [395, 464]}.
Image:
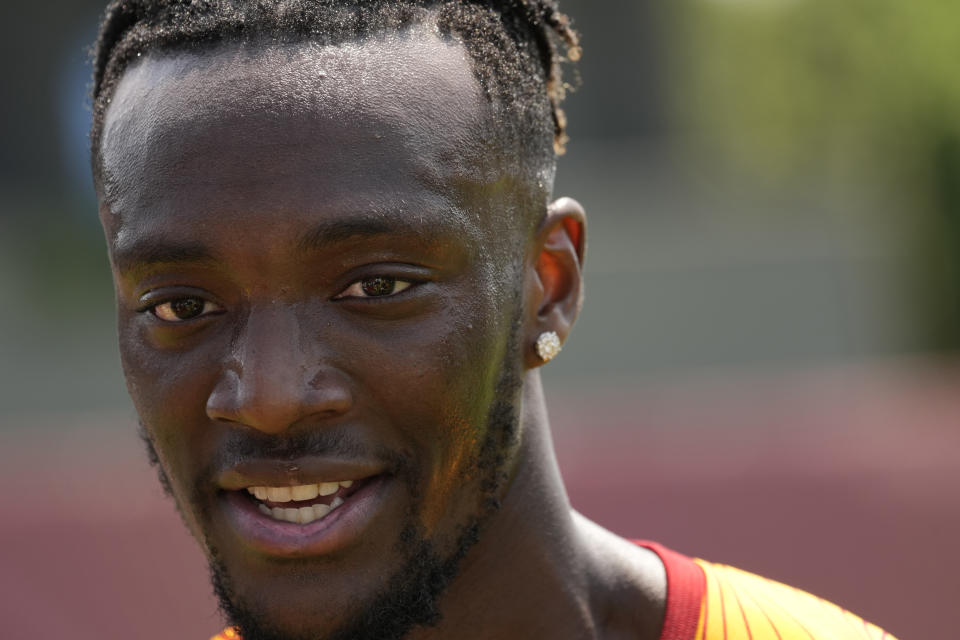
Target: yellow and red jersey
{"type": "Point", "coordinates": [707, 601]}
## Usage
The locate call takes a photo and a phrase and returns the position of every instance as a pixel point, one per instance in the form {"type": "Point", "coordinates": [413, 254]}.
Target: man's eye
{"type": "Point", "coordinates": [375, 287]}
{"type": "Point", "coordinates": [183, 309]}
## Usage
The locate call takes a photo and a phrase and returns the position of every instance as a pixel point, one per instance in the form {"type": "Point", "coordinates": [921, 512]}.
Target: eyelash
{"type": "Point", "coordinates": [208, 307]}
{"type": "Point", "coordinates": [362, 293]}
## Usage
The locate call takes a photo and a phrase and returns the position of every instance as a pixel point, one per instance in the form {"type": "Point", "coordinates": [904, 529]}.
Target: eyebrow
{"type": "Point", "coordinates": [331, 232]}
{"type": "Point", "coordinates": [145, 253]}
{"type": "Point", "coordinates": [148, 252]}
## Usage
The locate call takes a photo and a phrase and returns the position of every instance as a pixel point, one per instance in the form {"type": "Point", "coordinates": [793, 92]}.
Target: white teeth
{"type": "Point", "coordinates": [304, 492]}
{"type": "Point", "coordinates": [299, 492]}
{"type": "Point", "coordinates": [328, 488]}
{"type": "Point", "coordinates": [279, 494]}
{"type": "Point", "coordinates": [301, 515]}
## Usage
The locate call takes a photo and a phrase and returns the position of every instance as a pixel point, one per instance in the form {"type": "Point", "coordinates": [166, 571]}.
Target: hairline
{"type": "Point", "coordinates": [536, 168]}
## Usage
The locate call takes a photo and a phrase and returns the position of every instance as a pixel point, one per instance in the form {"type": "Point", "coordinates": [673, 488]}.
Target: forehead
{"type": "Point", "coordinates": [273, 127]}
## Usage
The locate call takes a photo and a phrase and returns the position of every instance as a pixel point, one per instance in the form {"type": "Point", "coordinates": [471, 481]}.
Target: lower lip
{"type": "Point", "coordinates": [335, 531]}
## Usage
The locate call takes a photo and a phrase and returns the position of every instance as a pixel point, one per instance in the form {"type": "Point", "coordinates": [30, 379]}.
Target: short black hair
{"type": "Point", "coordinates": [515, 46]}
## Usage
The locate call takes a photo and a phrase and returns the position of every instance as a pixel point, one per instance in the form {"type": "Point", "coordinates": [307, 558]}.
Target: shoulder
{"type": "Point", "coordinates": [226, 634]}
{"type": "Point", "coordinates": [708, 601]}
{"type": "Point", "coordinates": [744, 604]}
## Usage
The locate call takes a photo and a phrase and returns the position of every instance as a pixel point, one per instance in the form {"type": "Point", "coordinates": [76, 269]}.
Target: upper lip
{"type": "Point", "coordinates": [293, 472]}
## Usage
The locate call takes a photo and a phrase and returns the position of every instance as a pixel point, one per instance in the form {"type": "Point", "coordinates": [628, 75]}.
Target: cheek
{"type": "Point", "coordinates": [438, 380]}
{"type": "Point", "coordinates": [160, 382]}
{"type": "Point", "coordinates": [169, 390]}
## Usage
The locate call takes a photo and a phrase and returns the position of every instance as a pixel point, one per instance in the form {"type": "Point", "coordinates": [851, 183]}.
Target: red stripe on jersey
{"type": "Point", "coordinates": [723, 612]}
{"type": "Point", "coordinates": [743, 614]}
{"type": "Point", "coordinates": [686, 586]}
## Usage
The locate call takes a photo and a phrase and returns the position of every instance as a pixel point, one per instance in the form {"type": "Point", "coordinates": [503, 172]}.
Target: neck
{"type": "Point", "coordinates": [542, 571]}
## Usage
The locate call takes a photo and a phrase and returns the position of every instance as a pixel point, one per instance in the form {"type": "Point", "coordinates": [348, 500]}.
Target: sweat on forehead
{"type": "Point", "coordinates": [515, 49]}
{"type": "Point", "coordinates": [407, 73]}
{"type": "Point", "coordinates": [416, 88]}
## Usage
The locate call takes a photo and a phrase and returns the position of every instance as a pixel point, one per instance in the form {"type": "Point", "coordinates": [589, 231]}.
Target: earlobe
{"type": "Point", "coordinates": [555, 281]}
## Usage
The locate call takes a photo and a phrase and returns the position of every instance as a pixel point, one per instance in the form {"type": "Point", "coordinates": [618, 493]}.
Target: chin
{"type": "Point", "coordinates": [290, 600]}
{"type": "Point", "coordinates": [297, 600]}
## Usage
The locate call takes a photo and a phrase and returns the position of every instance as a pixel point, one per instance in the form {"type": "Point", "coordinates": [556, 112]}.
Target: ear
{"type": "Point", "coordinates": [555, 277]}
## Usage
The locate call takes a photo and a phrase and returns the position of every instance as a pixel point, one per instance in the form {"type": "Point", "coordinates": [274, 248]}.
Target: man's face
{"type": "Point", "coordinates": [317, 267]}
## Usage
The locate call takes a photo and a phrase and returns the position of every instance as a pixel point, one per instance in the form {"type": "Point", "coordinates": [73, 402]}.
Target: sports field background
{"type": "Point", "coordinates": [764, 374]}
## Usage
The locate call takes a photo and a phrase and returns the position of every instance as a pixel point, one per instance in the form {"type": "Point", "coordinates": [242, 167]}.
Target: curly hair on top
{"type": "Point", "coordinates": [517, 46]}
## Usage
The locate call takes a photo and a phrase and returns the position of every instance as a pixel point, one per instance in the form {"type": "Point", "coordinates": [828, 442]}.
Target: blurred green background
{"type": "Point", "coordinates": [770, 183]}
{"type": "Point", "coordinates": [773, 195]}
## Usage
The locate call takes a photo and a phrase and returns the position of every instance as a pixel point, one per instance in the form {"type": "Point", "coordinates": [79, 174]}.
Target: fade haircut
{"type": "Point", "coordinates": [517, 47]}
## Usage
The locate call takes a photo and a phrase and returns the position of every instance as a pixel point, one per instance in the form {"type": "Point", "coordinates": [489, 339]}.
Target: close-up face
{"type": "Point", "coordinates": [317, 262]}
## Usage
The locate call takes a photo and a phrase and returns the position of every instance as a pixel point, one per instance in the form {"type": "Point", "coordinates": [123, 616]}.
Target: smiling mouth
{"type": "Point", "coordinates": [305, 503]}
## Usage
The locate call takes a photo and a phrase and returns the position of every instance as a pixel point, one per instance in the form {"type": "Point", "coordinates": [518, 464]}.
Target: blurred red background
{"type": "Point", "coordinates": [842, 482]}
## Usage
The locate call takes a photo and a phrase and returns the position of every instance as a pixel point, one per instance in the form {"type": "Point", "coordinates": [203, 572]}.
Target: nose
{"type": "Point", "coordinates": [274, 380]}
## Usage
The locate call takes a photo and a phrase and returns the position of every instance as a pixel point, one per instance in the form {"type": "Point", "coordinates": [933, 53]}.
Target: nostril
{"type": "Point", "coordinates": [223, 401]}
{"type": "Point", "coordinates": [329, 392]}
{"type": "Point", "coordinates": [320, 379]}
{"type": "Point", "coordinates": [274, 401]}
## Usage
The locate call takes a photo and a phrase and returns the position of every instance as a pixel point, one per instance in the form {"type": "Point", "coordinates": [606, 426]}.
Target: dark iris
{"type": "Point", "coordinates": [378, 285]}
{"type": "Point", "coordinates": [186, 308]}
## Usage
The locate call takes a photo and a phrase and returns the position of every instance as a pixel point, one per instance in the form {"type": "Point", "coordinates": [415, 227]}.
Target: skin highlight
{"type": "Point", "coordinates": [231, 177]}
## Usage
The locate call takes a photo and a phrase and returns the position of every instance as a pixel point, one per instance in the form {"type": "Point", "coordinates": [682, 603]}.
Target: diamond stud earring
{"type": "Point", "coordinates": [548, 345]}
